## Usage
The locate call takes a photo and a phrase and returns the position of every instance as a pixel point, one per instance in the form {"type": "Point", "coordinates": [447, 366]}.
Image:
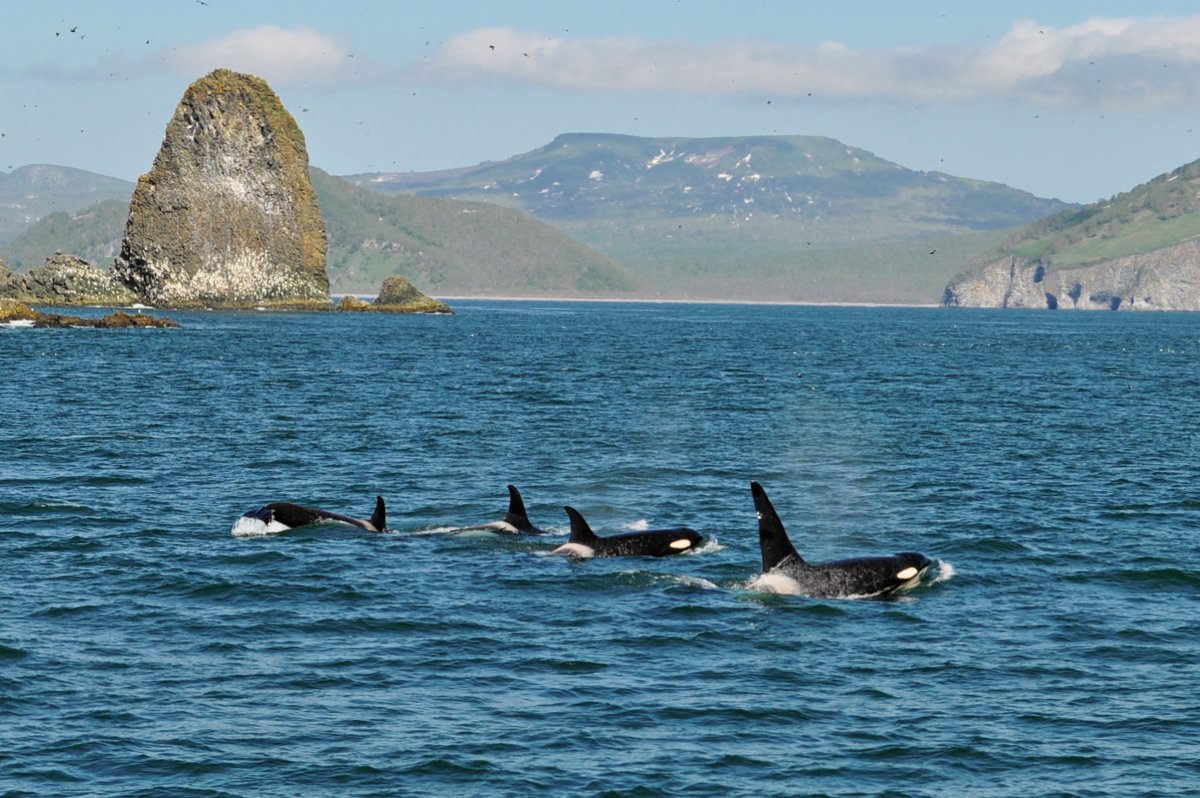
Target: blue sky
{"type": "Point", "coordinates": [1072, 100]}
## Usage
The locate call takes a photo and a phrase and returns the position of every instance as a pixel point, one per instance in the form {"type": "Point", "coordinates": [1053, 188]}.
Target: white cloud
{"type": "Point", "coordinates": [279, 55]}
{"type": "Point", "coordinates": [1131, 63]}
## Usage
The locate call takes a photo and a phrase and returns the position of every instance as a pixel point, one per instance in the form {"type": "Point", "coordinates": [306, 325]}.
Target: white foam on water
{"type": "Point", "coordinates": [18, 323]}
{"type": "Point", "coordinates": [437, 530]}
{"type": "Point", "coordinates": [945, 572]}
{"type": "Point", "coordinates": [640, 525]}
{"type": "Point", "coordinates": [694, 581]}
{"type": "Point", "coordinates": [247, 527]}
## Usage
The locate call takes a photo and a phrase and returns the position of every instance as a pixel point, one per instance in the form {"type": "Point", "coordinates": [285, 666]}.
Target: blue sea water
{"type": "Point", "coordinates": [1047, 462]}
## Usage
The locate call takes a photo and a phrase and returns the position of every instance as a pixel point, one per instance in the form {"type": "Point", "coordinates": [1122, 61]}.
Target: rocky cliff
{"type": "Point", "coordinates": [1139, 250]}
{"type": "Point", "coordinates": [1163, 279]}
{"type": "Point", "coordinates": [227, 216]}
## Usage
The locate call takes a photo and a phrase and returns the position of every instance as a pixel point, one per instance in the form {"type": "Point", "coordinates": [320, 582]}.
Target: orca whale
{"type": "Point", "coordinates": [279, 516]}
{"type": "Point", "coordinates": [653, 543]}
{"type": "Point", "coordinates": [785, 571]}
{"type": "Point", "coordinates": [516, 521]}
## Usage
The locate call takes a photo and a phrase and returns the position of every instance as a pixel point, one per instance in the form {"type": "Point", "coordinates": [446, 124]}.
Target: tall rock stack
{"type": "Point", "coordinates": [227, 216]}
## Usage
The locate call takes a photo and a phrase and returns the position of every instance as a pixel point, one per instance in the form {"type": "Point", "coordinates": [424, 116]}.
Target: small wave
{"type": "Point", "coordinates": [437, 530]}
{"type": "Point", "coordinates": [640, 525]}
{"type": "Point", "coordinates": [17, 323]}
{"type": "Point", "coordinates": [945, 572]}
{"type": "Point", "coordinates": [61, 611]}
{"type": "Point", "coordinates": [710, 545]}
{"type": "Point", "coordinates": [691, 581]}
{"type": "Point", "coordinates": [1169, 579]}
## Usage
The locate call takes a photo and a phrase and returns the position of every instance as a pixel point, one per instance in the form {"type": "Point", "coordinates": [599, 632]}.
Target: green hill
{"type": "Point", "coordinates": [31, 192]}
{"type": "Point", "coordinates": [93, 234]}
{"type": "Point", "coordinates": [448, 247]}
{"type": "Point", "coordinates": [1157, 214]}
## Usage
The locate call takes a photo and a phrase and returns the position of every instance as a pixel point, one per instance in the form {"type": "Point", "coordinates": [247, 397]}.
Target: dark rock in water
{"type": "Point", "coordinates": [14, 313]}
{"type": "Point", "coordinates": [397, 295]}
{"type": "Point", "coordinates": [114, 321]}
{"type": "Point", "coordinates": [227, 216]}
{"type": "Point", "coordinates": [68, 280]}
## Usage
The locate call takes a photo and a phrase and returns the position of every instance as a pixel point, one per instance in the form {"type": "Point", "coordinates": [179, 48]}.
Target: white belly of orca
{"type": "Point", "coordinates": [776, 583]}
{"type": "Point", "coordinates": [576, 550]}
{"type": "Point", "coordinates": [499, 526]}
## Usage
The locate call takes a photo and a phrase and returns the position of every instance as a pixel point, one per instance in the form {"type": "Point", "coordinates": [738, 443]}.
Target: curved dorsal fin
{"type": "Point", "coordinates": [517, 516]}
{"type": "Point", "coordinates": [379, 517]}
{"type": "Point", "coordinates": [580, 531]}
{"type": "Point", "coordinates": [771, 536]}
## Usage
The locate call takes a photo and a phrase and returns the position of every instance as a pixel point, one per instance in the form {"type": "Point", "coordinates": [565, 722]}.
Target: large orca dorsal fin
{"type": "Point", "coordinates": [517, 517]}
{"type": "Point", "coordinates": [580, 531]}
{"type": "Point", "coordinates": [776, 547]}
{"type": "Point", "coordinates": [379, 517]}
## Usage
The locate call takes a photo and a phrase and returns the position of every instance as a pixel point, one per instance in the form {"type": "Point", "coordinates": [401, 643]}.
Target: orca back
{"type": "Point", "coordinates": [651, 543]}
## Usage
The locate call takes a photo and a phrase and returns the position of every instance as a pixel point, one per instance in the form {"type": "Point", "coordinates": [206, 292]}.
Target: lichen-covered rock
{"type": "Point", "coordinates": [68, 280]}
{"type": "Point", "coordinates": [1162, 279]}
{"type": "Point", "coordinates": [398, 295]}
{"type": "Point", "coordinates": [353, 303]}
{"type": "Point", "coordinates": [14, 311]}
{"type": "Point", "coordinates": [227, 216]}
{"type": "Point", "coordinates": [120, 320]}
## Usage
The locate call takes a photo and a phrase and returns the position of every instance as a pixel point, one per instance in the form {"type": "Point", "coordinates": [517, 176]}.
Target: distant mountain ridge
{"type": "Point", "coordinates": [30, 192]}
{"type": "Point", "coordinates": [766, 191]}
{"type": "Point", "coordinates": [760, 217]}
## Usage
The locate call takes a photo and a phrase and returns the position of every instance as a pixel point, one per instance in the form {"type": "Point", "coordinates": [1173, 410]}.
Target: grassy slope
{"type": "Point", "coordinates": [451, 247]}
{"type": "Point", "coordinates": [1161, 213]}
{"type": "Point", "coordinates": [93, 234]}
{"type": "Point", "coordinates": [31, 192]}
